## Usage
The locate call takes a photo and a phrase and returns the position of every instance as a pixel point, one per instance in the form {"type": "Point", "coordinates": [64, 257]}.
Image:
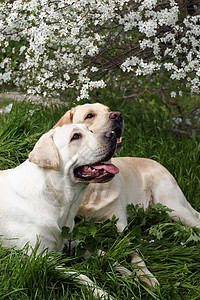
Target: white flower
{"type": "Point", "coordinates": [94, 69]}
{"type": "Point", "coordinates": [8, 108]}
{"type": "Point", "coordinates": [177, 121]}
{"type": "Point", "coordinates": [148, 27]}
{"type": "Point", "coordinates": [66, 76]}
{"type": "Point", "coordinates": [173, 94]}
{"type": "Point", "coordinates": [188, 122]}
{"type": "Point", "coordinates": [61, 40]}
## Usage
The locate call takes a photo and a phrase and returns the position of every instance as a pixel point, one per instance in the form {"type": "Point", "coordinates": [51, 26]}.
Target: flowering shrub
{"type": "Point", "coordinates": [50, 46]}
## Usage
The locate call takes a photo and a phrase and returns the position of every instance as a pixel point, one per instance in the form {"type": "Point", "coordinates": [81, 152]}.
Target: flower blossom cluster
{"type": "Point", "coordinates": [49, 46]}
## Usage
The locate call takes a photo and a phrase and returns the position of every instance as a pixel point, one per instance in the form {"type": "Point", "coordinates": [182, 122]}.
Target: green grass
{"type": "Point", "coordinates": [170, 250]}
{"type": "Point", "coordinates": [4, 101]}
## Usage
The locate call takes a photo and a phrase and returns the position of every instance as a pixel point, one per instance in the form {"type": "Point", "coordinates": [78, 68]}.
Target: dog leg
{"type": "Point", "coordinates": [142, 272]}
{"type": "Point", "coordinates": [119, 268]}
{"type": "Point", "coordinates": [116, 266]}
{"type": "Point", "coordinates": [83, 279]}
{"type": "Point", "coordinates": [169, 194]}
{"type": "Point", "coordinates": [139, 265]}
{"type": "Point", "coordinates": [182, 210]}
{"type": "Point", "coordinates": [184, 214]}
{"type": "Point", "coordinates": [140, 268]}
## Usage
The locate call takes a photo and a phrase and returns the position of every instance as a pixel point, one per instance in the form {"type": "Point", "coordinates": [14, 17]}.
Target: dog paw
{"type": "Point", "coordinates": [149, 279]}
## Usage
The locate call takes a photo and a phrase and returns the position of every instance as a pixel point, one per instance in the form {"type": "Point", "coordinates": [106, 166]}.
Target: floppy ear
{"type": "Point", "coordinates": [66, 119]}
{"type": "Point", "coordinates": [45, 154]}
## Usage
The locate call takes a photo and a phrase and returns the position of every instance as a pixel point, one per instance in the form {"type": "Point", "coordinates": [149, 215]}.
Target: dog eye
{"type": "Point", "coordinates": [76, 136]}
{"type": "Point", "coordinates": [89, 116]}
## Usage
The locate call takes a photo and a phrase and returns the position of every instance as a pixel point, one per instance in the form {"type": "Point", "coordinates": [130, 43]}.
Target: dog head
{"type": "Point", "coordinates": [77, 152]}
{"type": "Point", "coordinates": [97, 117]}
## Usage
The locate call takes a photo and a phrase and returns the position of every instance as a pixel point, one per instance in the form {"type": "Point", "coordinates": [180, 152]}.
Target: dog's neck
{"type": "Point", "coordinates": [66, 194]}
{"type": "Point", "coordinates": [60, 193]}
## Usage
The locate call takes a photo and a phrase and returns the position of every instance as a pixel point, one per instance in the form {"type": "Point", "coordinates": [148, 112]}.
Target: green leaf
{"type": "Point", "coordinates": [92, 231]}
{"type": "Point", "coordinates": [66, 233]}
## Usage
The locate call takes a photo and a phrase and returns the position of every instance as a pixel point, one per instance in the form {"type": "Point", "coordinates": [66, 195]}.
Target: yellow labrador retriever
{"type": "Point", "coordinates": [140, 181]}
{"type": "Point", "coordinates": [43, 194]}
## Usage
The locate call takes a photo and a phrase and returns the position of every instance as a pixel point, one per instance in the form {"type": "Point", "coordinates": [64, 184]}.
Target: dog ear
{"type": "Point", "coordinates": [45, 154]}
{"type": "Point", "coordinates": [66, 119]}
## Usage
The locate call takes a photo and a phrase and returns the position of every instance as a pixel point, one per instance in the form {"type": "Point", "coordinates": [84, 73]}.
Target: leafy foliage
{"type": "Point", "coordinates": [94, 39]}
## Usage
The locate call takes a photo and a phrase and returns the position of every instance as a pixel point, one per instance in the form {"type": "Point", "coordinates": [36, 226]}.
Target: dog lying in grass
{"type": "Point", "coordinates": [140, 181]}
{"type": "Point", "coordinates": [43, 194]}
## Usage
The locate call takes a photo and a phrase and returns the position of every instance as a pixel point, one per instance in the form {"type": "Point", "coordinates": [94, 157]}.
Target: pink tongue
{"type": "Point", "coordinates": [110, 168]}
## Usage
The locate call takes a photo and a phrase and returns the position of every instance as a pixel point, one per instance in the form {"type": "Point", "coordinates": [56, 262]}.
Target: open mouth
{"type": "Point", "coordinates": [119, 143]}
{"type": "Point", "coordinates": [118, 131]}
{"type": "Point", "coordinates": [98, 172]}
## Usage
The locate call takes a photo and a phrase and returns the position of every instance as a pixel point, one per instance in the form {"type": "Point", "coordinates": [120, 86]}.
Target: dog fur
{"type": "Point", "coordinates": [140, 181]}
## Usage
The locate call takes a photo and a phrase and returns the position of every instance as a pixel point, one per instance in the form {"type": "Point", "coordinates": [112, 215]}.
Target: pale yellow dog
{"type": "Point", "coordinates": [140, 181]}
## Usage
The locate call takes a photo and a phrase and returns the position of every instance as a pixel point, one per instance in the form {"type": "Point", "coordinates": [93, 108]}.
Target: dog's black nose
{"type": "Point", "coordinates": [111, 135]}
{"type": "Point", "coordinates": [116, 115]}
